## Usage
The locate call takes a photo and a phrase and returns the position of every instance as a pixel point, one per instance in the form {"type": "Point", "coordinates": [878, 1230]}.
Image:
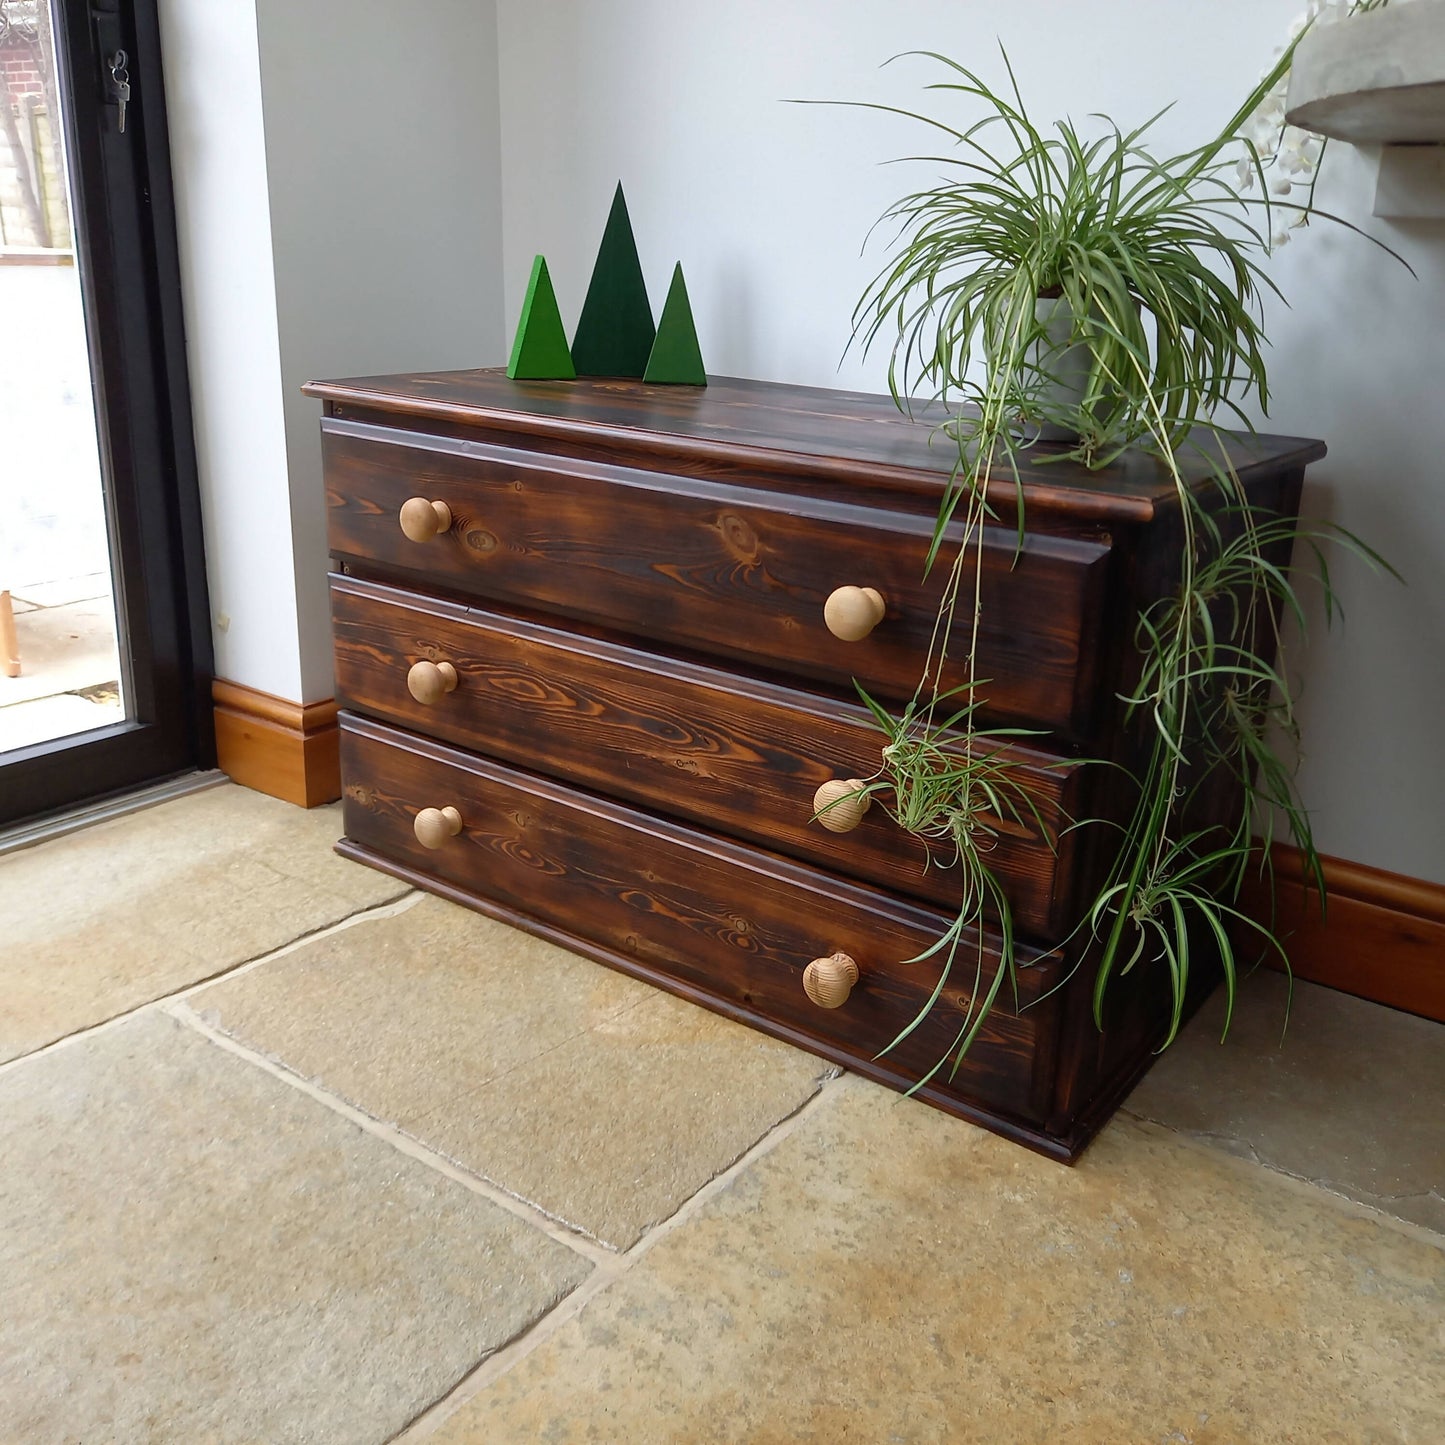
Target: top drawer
{"type": "Point", "coordinates": [733, 571]}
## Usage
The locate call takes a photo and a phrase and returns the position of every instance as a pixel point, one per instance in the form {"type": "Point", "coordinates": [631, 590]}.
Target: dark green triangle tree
{"type": "Point", "coordinates": [676, 356]}
{"type": "Point", "coordinates": [539, 351]}
{"type": "Point", "coordinates": [615, 332]}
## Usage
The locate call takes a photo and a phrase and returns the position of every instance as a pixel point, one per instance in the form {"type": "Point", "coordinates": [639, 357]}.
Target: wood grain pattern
{"type": "Point", "coordinates": [735, 924]}
{"type": "Point", "coordinates": [283, 748]}
{"type": "Point", "coordinates": [719, 568]}
{"type": "Point", "coordinates": [1380, 936]}
{"type": "Point", "coordinates": [748, 428]}
{"type": "Point", "coordinates": [1063, 1148]}
{"type": "Point", "coordinates": [738, 756]}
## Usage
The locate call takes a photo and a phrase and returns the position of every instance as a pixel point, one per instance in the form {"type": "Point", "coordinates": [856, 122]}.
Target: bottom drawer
{"type": "Point", "coordinates": [727, 926]}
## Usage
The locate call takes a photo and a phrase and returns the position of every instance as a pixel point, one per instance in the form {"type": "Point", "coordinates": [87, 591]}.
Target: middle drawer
{"type": "Point", "coordinates": [738, 755]}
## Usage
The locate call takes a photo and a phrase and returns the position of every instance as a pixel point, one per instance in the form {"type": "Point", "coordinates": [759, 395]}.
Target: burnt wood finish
{"type": "Point", "coordinates": [630, 588]}
{"type": "Point", "coordinates": [1064, 1147]}
{"type": "Point", "coordinates": [742, 430]}
{"type": "Point", "coordinates": [717, 568]}
{"type": "Point", "coordinates": [736, 924]}
{"type": "Point", "coordinates": [741, 756]}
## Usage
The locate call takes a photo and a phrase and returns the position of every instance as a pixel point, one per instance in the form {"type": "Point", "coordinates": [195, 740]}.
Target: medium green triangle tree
{"type": "Point", "coordinates": [676, 357]}
{"type": "Point", "coordinates": [615, 332]}
{"type": "Point", "coordinates": [539, 351]}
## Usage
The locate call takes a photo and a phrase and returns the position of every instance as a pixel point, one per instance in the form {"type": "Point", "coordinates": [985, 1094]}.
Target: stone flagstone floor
{"type": "Point", "coordinates": [290, 1153]}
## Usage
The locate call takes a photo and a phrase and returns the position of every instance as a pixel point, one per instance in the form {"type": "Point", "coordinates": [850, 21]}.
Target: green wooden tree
{"type": "Point", "coordinates": [676, 356]}
{"type": "Point", "coordinates": [615, 332]}
{"type": "Point", "coordinates": [539, 351]}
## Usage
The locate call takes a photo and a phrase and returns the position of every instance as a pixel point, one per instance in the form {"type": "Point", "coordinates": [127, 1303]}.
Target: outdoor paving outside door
{"type": "Point", "coordinates": [104, 634]}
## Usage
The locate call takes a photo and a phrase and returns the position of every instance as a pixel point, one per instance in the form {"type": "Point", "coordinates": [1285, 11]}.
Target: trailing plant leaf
{"type": "Point", "coordinates": [1158, 264]}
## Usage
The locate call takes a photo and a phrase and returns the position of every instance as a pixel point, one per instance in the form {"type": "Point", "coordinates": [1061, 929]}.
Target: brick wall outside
{"type": "Point", "coordinates": [20, 65]}
{"type": "Point", "coordinates": [35, 173]}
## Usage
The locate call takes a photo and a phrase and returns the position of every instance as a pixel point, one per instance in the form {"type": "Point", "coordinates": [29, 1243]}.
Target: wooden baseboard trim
{"type": "Point", "coordinates": [1382, 935]}
{"type": "Point", "coordinates": [287, 749]}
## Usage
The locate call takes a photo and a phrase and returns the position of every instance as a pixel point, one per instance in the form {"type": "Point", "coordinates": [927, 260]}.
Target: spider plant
{"type": "Point", "coordinates": [1158, 266]}
{"type": "Point", "coordinates": [1157, 262]}
{"type": "Point", "coordinates": [1219, 699]}
{"type": "Point", "coordinates": [952, 783]}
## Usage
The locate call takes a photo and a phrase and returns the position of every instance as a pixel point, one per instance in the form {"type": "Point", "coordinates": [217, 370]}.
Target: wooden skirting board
{"type": "Point", "coordinates": [1382, 935]}
{"type": "Point", "coordinates": [287, 749]}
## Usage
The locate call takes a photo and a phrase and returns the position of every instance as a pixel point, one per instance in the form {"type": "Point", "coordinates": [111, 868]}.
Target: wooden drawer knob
{"type": "Point", "coordinates": [829, 981]}
{"type": "Point", "coordinates": [853, 612]}
{"type": "Point", "coordinates": [422, 520]}
{"type": "Point", "coordinates": [434, 826]}
{"type": "Point", "coordinates": [840, 804]}
{"type": "Point", "coordinates": [429, 682]}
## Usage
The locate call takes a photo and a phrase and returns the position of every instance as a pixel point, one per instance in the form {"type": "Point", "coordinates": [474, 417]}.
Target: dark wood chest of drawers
{"type": "Point", "coordinates": [586, 686]}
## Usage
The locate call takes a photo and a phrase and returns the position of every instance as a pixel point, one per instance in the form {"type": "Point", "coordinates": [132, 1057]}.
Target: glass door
{"type": "Point", "coordinates": [104, 640]}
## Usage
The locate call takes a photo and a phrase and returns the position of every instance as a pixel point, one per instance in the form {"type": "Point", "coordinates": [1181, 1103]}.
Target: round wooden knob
{"type": "Point", "coordinates": [853, 612]}
{"type": "Point", "coordinates": [840, 804]}
{"type": "Point", "coordinates": [434, 826]}
{"type": "Point", "coordinates": [429, 682]}
{"type": "Point", "coordinates": [422, 520]}
{"type": "Point", "coordinates": [829, 981]}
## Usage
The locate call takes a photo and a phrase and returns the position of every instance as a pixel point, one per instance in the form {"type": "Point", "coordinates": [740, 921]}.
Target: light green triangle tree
{"type": "Point", "coordinates": [539, 351]}
{"type": "Point", "coordinates": [676, 356]}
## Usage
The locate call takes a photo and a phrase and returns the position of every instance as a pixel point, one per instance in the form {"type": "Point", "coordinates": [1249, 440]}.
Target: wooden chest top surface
{"type": "Point", "coordinates": [785, 429]}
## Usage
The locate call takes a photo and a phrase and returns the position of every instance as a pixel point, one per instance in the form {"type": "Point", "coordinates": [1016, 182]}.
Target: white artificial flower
{"type": "Point", "coordinates": [1266, 140]}
{"type": "Point", "coordinates": [1280, 238]}
{"type": "Point", "coordinates": [1290, 160]}
{"type": "Point", "coordinates": [1289, 152]}
{"type": "Point", "coordinates": [1291, 155]}
{"type": "Point", "coordinates": [1327, 12]}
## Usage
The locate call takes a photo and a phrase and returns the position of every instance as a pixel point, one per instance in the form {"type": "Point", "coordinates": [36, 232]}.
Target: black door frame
{"type": "Point", "coordinates": [125, 240]}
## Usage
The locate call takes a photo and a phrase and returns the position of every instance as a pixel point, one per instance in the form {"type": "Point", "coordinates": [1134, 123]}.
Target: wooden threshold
{"type": "Point", "coordinates": [1381, 935]}
{"type": "Point", "coordinates": [287, 749]}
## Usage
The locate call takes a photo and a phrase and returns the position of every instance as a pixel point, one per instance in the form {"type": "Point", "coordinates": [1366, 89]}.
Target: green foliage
{"type": "Point", "coordinates": [1159, 263]}
{"type": "Point", "coordinates": [951, 783]}
{"type": "Point", "coordinates": [1217, 704]}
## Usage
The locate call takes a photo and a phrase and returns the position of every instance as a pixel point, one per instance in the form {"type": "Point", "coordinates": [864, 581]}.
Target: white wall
{"type": "Point", "coordinates": [337, 177]}
{"type": "Point", "coordinates": [767, 205]}
{"type": "Point", "coordinates": [218, 161]}
{"type": "Point", "coordinates": [383, 164]}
